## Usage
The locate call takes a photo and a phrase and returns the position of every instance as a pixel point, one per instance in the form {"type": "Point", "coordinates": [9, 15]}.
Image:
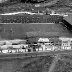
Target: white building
{"type": "Point", "coordinates": [66, 43]}
{"type": "Point", "coordinates": [5, 48]}
{"type": "Point", "coordinates": [43, 40]}
{"type": "Point", "coordinates": [46, 45]}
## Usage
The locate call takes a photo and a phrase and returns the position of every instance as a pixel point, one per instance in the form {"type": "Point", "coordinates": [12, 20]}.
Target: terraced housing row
{"type": "Point", "coordinates": [43, 44]}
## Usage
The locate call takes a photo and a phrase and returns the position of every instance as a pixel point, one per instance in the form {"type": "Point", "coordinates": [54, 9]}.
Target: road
{"type": "Point", "coordinates": [32, 54]}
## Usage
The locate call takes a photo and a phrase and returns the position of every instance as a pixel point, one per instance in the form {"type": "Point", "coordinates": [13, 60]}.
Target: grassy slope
{"type": "Point", "coordinates": [40, 65]}
{"type": "Point", "coordinates": [49, 63]}
{"type": "Point", "coordinates": [28, 64]}
{"type": "Point", "coordinates": [21, 30]}
{"type": "Point", "coordinates": [22, 6]}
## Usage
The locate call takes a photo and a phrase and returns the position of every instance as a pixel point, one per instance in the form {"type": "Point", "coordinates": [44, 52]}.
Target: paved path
{"type": "Point", "coordinates": [51, 69]}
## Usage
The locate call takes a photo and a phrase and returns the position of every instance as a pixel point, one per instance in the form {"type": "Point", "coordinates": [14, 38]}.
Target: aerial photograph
{"type": "Point", "coordinates": [35, 35]}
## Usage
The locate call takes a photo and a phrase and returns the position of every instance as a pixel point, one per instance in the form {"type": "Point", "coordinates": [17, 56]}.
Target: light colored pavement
{"type": "Point", "coordinates": [51, 69]}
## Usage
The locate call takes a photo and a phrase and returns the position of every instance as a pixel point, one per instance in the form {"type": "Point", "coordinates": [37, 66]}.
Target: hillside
{"type": "Point", "coordinates": [18, 5]}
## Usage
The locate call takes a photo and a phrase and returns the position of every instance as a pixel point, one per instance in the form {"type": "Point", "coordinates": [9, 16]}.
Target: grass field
{"type": "Point", "coordinates": [28, 64]}
{"type": "Point", "coordinates": [9, 31]}
{"type": "Point", "coordinates": [64, 64]}
{"type": "Point", "coordinates": [59, 62]}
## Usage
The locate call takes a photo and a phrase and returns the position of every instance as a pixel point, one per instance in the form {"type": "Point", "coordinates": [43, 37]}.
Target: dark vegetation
{"type": "Point", "coordinates": [67, 56]}
{"type": "Point", "coordinates": [64, 64]}
{"type": "Point", "coordinates": [68, 25]}
{"type": "Point", "coordinates": [30, 19]}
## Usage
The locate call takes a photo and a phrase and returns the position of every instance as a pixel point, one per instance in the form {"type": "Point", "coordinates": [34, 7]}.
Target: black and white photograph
{"type": "Point", "coordinates": [35, 35]}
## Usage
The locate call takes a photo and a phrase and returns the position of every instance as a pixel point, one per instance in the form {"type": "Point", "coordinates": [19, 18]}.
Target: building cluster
{"type": "Point", "coordinates": [55, 44]}
{"type": "Point", "coordinates": [43, 44]}
{"type": "Point", "coordinates": [13, 46]}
